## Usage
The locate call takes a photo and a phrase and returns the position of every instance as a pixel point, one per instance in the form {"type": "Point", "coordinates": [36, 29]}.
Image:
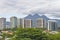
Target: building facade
{"type": "Point", "coordinates": [39, 23]}
{"type": "Point", "coordinates": [52, 25]}
{"type": "Point", "coordinates": [27, 23]}
{"type": "Point", "coordinates": [2, 23]}
{"type": "Point", "coordinates": [18, 22]}
{"type": "Point", "coordinates": [21, 23]}
{"type": "Point", "coordinates": [13, 22]}
{"type": "Point", "coordinates": [7, 25]}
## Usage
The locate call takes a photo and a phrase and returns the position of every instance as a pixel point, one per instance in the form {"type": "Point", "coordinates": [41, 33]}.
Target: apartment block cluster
{"type": "Point", "coordinates": [15, 22]}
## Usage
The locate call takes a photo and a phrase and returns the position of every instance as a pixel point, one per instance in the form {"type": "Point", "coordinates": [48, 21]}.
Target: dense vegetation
{"type": "Point", "coordinates": [32, 34]}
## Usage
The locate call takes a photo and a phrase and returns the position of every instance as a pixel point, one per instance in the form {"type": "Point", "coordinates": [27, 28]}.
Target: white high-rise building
{"type": "Point", "coordinates": [2, 23]}
{"type": "Point", "coordinates": [13, 22]}
{"type": "Point", "coordinates": [52, 25]}
{"type": "Point", "coordinates": [21, 23]}
{"type": "Point", "coordinates": [18, 22]}
{"type": "Point", "coordinates": [39, 23]}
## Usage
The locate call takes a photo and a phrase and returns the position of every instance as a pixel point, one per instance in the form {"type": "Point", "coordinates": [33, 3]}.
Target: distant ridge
{"type": "Point", "coordinates": [45, 17]}
{"type": "Point", "coordinates": [35, 16]}
{"type": "Point", "coordinates": [28, 17]}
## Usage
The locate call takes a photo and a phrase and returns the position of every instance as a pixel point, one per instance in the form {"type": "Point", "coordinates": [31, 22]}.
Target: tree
{"type": "Point", "coordinates": [33, 34]}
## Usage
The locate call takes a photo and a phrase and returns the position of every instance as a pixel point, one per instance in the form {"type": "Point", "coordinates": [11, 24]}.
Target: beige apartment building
{"type": "Point", "coordinates": [39, 23]}
{"type": "Point", "coordinates": [27, 23]}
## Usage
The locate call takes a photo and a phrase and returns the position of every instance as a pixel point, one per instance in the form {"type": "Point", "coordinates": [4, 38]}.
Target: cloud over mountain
{"type": "Point", "coordinates": [51, 8]}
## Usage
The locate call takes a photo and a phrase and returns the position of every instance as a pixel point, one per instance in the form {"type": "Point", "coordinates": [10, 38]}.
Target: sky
{"type": "Point", "coordinates": [21, 8]}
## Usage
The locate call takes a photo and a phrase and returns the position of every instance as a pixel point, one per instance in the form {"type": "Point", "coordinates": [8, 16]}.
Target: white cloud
{"type": "Point", "coordinates": [48, 7]}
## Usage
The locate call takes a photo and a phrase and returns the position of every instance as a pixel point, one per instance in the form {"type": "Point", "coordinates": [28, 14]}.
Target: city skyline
{"type": "Point", "coordinates": [30, 21]}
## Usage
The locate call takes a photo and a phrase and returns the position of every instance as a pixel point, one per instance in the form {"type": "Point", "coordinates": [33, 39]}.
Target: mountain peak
{"type": "Point", "coordinates": [45, 17]}
{"type": "Point", "coordinates": [28, 17]}
{"type": "Point", "coordinates": [36, 16]}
